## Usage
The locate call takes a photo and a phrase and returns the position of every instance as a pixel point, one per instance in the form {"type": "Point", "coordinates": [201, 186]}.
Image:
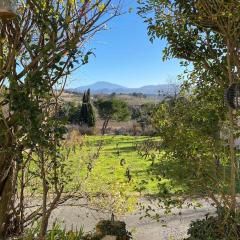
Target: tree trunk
{"type": "Point", "coordinates": [6, 192]}
{"type": "Point", "coordinates": [232, 121]}
{"type": "Point", "coordinates": [104, 127]}
{"type": "Point", "coordinates": [8, 180]}
{"type": "Point", "coordinates": [44, 226]}
{"type": "Point", "coordinates": [232, 162]}
{"type": "Point", "coordinates": [45, 217]}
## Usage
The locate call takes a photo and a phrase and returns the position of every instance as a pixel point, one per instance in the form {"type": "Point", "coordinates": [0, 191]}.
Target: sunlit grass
{"type": "Point", "coordinates": [120, 168]}
{"type": "Point", "coordinates": [117, 155]}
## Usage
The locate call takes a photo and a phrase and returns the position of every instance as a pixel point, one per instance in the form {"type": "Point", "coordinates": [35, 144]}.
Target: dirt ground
{"type": "Point", "coordinates": [145, 229]}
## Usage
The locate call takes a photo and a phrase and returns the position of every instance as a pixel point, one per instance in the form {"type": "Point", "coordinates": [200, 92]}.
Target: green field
{"type": "Point", "coordinates": [118, 176]}
{"type": "Point", "coordinates": [112, 171]}
{"type": "Point", "coordinates": [99, 165]}
{"type": "Point", "coordinates": [118, 154]}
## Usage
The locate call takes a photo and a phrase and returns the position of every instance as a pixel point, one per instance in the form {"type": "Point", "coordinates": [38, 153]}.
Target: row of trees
{"type": "Point", "coordinates": [107, 109]}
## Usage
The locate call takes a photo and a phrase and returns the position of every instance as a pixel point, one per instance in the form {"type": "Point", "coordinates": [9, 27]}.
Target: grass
{"type": "Point", "coordinates": [118, 176]}
{"type": "Point", "coordinates": [114, 179]}
{"type": "Point", "coordinates": [117, 155]}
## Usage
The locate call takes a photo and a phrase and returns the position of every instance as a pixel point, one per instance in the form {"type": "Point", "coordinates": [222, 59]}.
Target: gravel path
{"type": "Point", "coordinates": [145, 229]}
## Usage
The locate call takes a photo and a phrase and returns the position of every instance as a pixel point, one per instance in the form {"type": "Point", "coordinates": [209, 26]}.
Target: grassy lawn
{"type": "Point", "coordinates": [118, 176]}
{"type": "Point", "coordinates": [113, 164]}
{"type": "Point", "coordinates": [118, 154]}
{"type": "Point", "coordinates": [112, 172]}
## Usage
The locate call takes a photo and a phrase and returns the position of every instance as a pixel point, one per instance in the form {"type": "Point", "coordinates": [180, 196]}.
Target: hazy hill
{"type": "Point", "coordinates": [108, 88]}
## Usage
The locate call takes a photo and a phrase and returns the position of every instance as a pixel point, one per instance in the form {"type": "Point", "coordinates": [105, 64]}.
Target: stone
{"type": "Point", "coordinates": [109, 237]}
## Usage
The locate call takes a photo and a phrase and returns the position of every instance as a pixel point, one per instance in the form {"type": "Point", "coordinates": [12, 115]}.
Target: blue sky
{"type": "Point", "coordinates": [125, 56]}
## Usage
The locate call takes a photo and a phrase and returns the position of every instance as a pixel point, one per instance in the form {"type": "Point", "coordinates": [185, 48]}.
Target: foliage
{"type": "Point", "coordinates": [43, 175]}
{"type": "Point", "coordinates": [215, 228]}
{"type": "Point", "coordinates": [143, 114]}
{"type": "Point", "coordinates": [55, 233]}
{"type": "Point", "coordinates": [112, 109]}
{"type": "Point", "coordinates": [80, 114]}
{"type": "Point", "coordinates": [115, 109]}
{"type": "Point", "coordinates": [204, 34]}
{"type": "Point", "coordinates": [194, 155]}
{"type": "Point", "coordinates": [87, 115]}
{"type": "Point", "coordinates": [69, 112]}
{"type": "Point", "coordinates": [39, 49]}
{"type": "Point", "coordinates": [114, 228]}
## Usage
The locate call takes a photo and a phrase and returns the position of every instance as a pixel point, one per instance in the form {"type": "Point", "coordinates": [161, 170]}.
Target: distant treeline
{"type": "Point", "coordinates": [107, 108]}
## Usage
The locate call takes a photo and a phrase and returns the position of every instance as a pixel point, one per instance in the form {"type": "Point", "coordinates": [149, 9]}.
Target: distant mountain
{"type": "Point", "coordinates": [108, 88]}
{"type": "Point", "coordinates": [100, 87]}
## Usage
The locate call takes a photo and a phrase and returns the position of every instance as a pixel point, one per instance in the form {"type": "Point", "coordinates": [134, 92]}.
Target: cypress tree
{"type": "Point", "coordinates": [88, 97]}
{"type": "Point", "coordinates": [87, 115]}
{"type": "Point", "coordinates": [91, 120]}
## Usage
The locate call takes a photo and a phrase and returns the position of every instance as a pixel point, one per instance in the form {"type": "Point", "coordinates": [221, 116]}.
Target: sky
{"type": "Point", "coordinates": [125, 56]}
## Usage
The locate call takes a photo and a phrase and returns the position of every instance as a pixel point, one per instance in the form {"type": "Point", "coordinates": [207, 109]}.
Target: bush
{"type": "Point", "coordinates": [85, 130]}
{"type": "Point", "coordinates": [205, 229]}
{"type": "Point", "coordinates": [215, 227]}
{"type": "Point", "coordinates": [113, 228]}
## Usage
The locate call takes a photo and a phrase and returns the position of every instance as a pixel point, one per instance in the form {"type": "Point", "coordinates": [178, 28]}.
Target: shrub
{"type": "Point", "coordinates": [113, 228]}
{"type": "Point", "coordinates": [205, 229]}
{"type": "Point", "coordinates": [85, 130]}
{"type": "Point", "coordinates": [224, 226]}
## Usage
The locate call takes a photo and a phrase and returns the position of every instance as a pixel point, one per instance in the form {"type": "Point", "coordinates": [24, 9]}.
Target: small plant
{"type": "Point", "coordinates": [56, 233]}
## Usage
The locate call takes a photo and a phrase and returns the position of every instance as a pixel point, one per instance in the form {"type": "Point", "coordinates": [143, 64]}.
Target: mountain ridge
{"type": "Point", "coordinates": [103, 87]}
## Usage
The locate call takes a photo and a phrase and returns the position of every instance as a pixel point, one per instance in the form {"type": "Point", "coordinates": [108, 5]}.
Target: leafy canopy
{"type": "Point", "coordinates": [113, 109]}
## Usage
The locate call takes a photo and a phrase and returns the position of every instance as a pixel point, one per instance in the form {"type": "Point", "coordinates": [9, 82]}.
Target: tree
{"type": "Point", "coordinates": [69, 112]}
{"type": "Point", "coordinates": [112, 109]}
{"type": "Point", "coordinates": [143, 114]}
{"type": "Point", "coordinates": [87, 115]}
{"type": "Point", "coordinates": [38, 50]}
{"type": "Point", "coordinates": [190, 133]}
{"type": "Point", "coordinates": [205, 34]}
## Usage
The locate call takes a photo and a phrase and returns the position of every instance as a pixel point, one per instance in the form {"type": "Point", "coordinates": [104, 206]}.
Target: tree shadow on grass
{"type": "Point", "coordinates": [186, 178]}
{"type": "Point", "coordinates": [121, 150]}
